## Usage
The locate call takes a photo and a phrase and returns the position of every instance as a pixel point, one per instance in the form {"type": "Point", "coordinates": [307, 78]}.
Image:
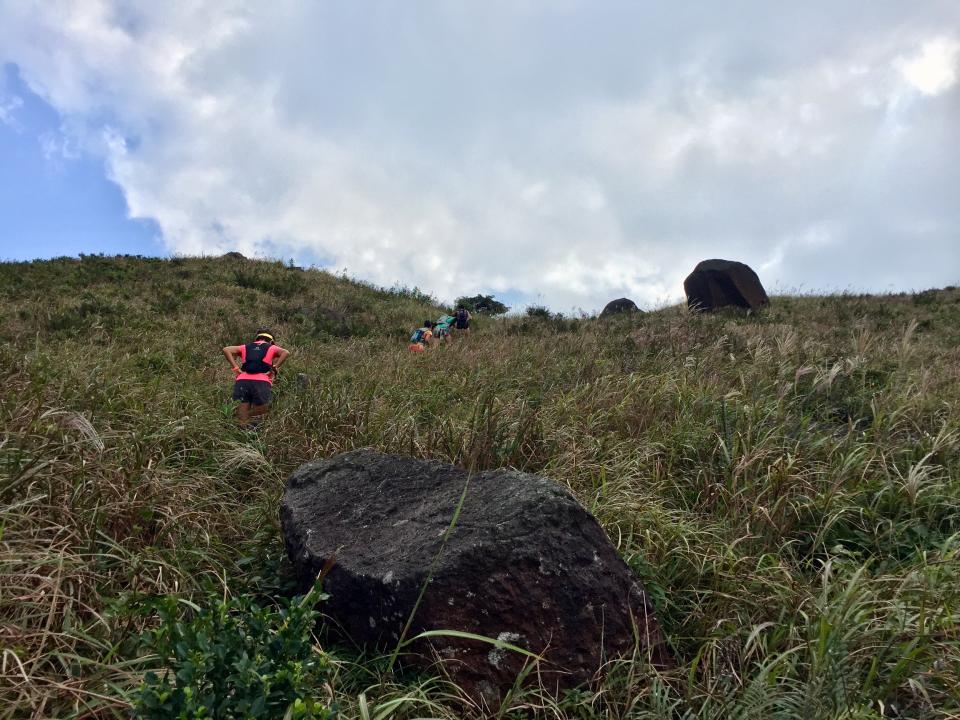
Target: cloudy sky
{"type": "Point", "coordinates": [562, 152]}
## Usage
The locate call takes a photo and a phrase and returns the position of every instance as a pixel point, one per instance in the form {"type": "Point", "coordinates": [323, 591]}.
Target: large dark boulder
{"type": "Point", "coordinates": [525, 564]}
{"type": "Point", "coordinates": [234, 255]}
{"type": "Point", "coordinates": [717, 283]}
{"type": "Point", "coordinates": [619, 306]}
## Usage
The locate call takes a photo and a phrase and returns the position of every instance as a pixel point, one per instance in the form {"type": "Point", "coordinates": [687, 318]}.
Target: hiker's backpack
{"type": "Point", "coordinates": [417, 336]}
{"type": "Point", "coordinates": [254, 355]}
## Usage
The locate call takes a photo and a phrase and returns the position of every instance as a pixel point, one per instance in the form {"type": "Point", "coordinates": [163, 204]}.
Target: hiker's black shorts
{"type": "Point", "coordinates": [255, 392]}
{"type": "Point", "coordinates": [462, 324]}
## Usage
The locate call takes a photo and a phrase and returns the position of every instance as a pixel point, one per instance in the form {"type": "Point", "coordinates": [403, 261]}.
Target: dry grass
{"type": "Point", "coordinates": [787, 485]}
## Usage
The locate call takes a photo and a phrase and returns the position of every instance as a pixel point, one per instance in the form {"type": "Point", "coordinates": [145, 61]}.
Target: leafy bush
{"type": "Point", "coordinates": [482, 305]}
{"type": "Point", "coordinates": [235, 660]}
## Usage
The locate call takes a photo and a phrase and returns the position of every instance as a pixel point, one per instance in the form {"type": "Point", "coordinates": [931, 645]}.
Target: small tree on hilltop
{"type": "Point", "coordinates": [540, 311]}
{"type": "Point", "coordinates": [482, 305]}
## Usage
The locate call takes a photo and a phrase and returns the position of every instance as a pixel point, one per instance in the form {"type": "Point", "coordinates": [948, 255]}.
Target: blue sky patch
{"type": "Point", "coordinates": [55, 199]}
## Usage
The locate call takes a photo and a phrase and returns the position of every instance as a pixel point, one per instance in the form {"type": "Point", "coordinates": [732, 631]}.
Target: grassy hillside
{"type": "Point", "coordinates": [788, 484]}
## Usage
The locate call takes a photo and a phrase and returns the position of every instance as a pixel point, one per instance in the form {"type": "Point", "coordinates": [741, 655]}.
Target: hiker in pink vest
{"type": "Point", "coordinates": [257, 366]}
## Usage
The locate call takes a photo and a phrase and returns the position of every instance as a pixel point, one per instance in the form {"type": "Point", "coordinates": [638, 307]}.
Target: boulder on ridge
{"type": "Point", "coordinates": [717, 283]}
{"type": "Point", "coordinates": [618, 306]}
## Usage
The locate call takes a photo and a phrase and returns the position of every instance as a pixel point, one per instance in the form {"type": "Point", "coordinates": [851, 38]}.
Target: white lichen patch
{"type": "Point", "coordinates": [373, 623]}
{"type": "Point", "coordinates": [495, 656]}
{"type": "Point", "coordinates": [388, 577]}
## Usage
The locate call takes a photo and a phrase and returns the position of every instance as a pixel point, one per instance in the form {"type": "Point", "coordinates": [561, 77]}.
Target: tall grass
{"type": "Point", "coordinates": [787, 485]}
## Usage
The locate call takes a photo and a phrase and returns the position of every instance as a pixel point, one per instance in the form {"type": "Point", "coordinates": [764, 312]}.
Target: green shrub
{"type": "Point", "coordinates": [482, 305]}
{"type": "Point", "coordinates": [235, 660]}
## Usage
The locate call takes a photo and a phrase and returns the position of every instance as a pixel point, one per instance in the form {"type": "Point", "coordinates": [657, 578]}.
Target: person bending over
{"type": "Point", "coordinates": [422, 337]}
{"type": "Point", "coordinates": [441, 329]}
{"type": "Point", "coordinates": [255, 366]}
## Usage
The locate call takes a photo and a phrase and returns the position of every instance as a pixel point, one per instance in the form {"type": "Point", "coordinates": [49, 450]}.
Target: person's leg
{"type": "Point", "coordinates": [241, 393]}
{"type": "Point", "coordinates": [262, 396]}
{"type": "Point", "coordinates": [258, 413]}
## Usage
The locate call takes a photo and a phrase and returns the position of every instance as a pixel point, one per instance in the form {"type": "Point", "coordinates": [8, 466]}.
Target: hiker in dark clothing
{"type": "Point", "coordinates": [462, 319]}
{"type": "Point", "coordinates": [255, 371]}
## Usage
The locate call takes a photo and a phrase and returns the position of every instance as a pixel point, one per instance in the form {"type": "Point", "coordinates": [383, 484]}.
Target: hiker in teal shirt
{"type": "Point", "coordinates": [441, 328]}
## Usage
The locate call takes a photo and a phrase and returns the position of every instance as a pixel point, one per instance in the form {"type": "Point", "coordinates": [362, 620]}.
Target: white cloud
{"type": "Point", "coordinates": [58, 146]}
{"type": "Point", "coordinates": [477, 146]}
{"type": "Point", "coordinates": [9, 104]}
{"type": "Point", "coordinates": [934, 69]}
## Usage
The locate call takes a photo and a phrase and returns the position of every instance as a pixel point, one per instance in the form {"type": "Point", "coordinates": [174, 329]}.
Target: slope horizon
{"type": "Point", "coordinates": [518, 302]}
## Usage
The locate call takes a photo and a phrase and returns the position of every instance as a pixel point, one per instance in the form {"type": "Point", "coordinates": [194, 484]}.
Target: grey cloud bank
{"type": "Point", "coordinates": [577, 151]}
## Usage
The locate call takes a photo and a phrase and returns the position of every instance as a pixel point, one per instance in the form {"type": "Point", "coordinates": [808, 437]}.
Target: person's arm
{"type": "Point", "coordinates": [280, 357]}
{"type": "Point", "coordinates": [232, 353]}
